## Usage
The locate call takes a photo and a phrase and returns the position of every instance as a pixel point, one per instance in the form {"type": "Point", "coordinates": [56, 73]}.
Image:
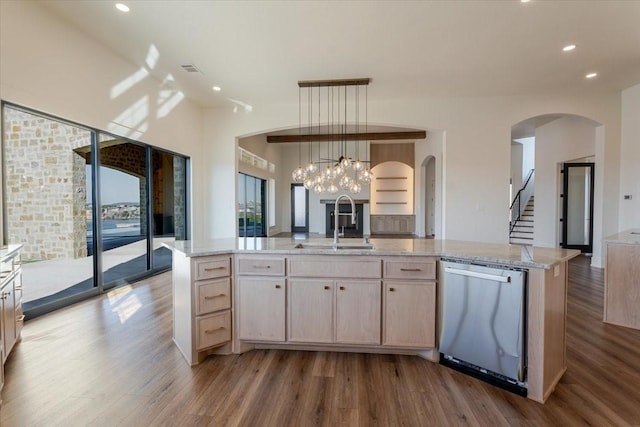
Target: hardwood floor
{"type": "Point", "coordinates": [110, 361]}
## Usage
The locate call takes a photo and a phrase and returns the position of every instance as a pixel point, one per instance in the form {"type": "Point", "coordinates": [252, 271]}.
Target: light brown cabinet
{"type": "Point", "coordinates": [392, 224]}
{"type": "Point", "coordinates": [334, 311]}
{"type": "Point", "coordinates": [409, 303]}
{"type": "Point", "coordinates": [261, 309]}
{"type": "Point", "coordinates": [622, 285]}
{"type": "Point", "coordinates": [334, 299]}
{"type": "Point", "coordinates": [11, 316]}
{"type": "Point", "coordinates": [358, 312]}
{"type": "Point", "coordinates": [202, 302]}
{"type": "Point", "coordinates": [311, 310]}
{"type": "Point", "coordinates": [261, 298]}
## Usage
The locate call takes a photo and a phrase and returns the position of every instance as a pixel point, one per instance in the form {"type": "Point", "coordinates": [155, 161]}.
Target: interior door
{"type": "Point", "coordinates": [299, 209]}
{"type": "Point", "coordinates": [577, 206]}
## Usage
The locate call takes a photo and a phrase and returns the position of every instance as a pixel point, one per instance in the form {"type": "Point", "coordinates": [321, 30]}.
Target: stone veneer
{"type": "Point", "coordinates": [45, 186]}
{"type": "Point", "coordinates": [45, 176]}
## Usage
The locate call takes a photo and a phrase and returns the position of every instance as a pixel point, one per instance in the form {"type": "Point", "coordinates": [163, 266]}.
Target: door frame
{"type": "Point", "coordinates": [565, 205]}
{"type": "Point", "coordinates": [295, 229]}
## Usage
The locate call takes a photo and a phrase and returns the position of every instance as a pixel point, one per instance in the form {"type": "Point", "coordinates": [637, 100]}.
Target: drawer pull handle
{"type": "Point", "coordinates": [392, 289]}
{"type": "Point", "coordinates": [214, 268]}
{"type": "Point", "coordinates": [20, 318]}
{"type": "Point", "coordinates": [342, 288]}
{"type": "Point", "coordinates": [215, 296]}
{"type": "Point", "coordinates": [261, 266]}
{"type": "Point", "coordinates": [277, 286]}
{"type": "Point", "coordinates": [213, 331]}
{"type": "Point", "coordinates": [410, 269]}
{"type": "Point", "coordinates": [327, 287]}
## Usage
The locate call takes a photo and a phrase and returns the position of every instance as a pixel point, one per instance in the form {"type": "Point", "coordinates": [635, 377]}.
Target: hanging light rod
{"type": "Point", "coordinates": [339, 82]}
{"type": "Point", "coordinates": [371, 136]}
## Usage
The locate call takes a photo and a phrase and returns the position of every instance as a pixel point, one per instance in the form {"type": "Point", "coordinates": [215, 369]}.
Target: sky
{"type": "Point", "coordinates": [116, 186]}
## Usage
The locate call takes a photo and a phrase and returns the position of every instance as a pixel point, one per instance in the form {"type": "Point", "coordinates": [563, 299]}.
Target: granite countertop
{"type": "Point", "coordinates": [627, 237]}
{"type": "Point", "coordinates": [504, 254]}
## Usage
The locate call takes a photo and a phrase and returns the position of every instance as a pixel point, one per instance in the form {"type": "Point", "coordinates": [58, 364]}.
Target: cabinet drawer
{"type": "Point", "coordinates": [251, 266]}
{"type": "Point", "coordinates": [335, 267]}
{"type": "Point", "coordinates": [424, 268]}
{"type": "Point", "coordinates": [213, 296]}
{"type": "Point", "coordinates": [212, 267]}
{"type": "Point", "coordinates": [213, 330]}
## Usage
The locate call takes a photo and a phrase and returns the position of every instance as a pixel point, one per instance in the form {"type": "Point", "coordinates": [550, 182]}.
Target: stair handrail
{"type": "Point", "coordinates": [518, 199]}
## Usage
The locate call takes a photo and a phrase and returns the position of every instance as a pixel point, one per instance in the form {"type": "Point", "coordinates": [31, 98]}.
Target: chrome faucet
{"type": "Point", "coordinates": [337, 213]}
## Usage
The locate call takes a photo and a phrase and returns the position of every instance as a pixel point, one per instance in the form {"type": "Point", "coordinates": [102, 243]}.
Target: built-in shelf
{"type": "Point", "coordinates": [391, 203]}
{"type": "Point", "coordinates": [391, 191]}
{"type": "Point", "coordinates": [391, 177]}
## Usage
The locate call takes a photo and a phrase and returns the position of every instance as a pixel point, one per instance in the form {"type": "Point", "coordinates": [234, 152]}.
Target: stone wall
{"type": "Point", "coordinates": [45, 185]}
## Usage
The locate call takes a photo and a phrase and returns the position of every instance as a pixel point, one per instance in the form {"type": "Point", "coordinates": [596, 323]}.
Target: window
{"type": "Point", "coordinates": [90, 208]}
{"type": "Point", "coordinates": [251, 201]}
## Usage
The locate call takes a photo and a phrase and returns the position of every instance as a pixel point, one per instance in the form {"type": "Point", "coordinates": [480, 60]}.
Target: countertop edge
{"type": "Point", "coordinates": [357, 252]}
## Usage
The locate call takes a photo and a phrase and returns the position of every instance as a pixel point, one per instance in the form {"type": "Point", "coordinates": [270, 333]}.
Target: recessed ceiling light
{"type": "Point", "coordinates": [591, 75]}
{"type": "Point", "coordinates": [569, 47]}
{"type": "Point", "coordinates": [217, 88]}
{"type": "Point", "coordinates": [525, 1]}
{"type": "Point", "coordinates": [122, 7]}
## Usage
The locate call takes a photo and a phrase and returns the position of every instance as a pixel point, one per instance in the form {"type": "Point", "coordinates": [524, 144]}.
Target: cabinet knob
{"type": "Point", "coordinates": [342, 288]}
{"type": "Point", "coordinates": [327, 287]}
{"type": "Point", "coordinates": [392, 289]}
{"type": "Point", "coordinates": [277, 286]}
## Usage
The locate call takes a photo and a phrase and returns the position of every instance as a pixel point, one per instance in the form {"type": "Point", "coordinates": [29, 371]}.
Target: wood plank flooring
{"type": "Point", "coordinates": [110, 361]}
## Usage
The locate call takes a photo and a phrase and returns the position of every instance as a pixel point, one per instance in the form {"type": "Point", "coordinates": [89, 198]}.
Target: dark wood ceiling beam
{"type": "Point", "coordinates": [339, 82]}
{"type": "Point", "coordinates": [376, 136]}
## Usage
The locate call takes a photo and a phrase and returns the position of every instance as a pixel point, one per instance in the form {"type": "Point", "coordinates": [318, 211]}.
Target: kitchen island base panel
{"type": "Point", "coordinates": [429, 354]}
{"type": "Point", "coordinates": [622, 285]}
{"type": "Point", "coordinates": [546, 335]}
{"type": "Point", "coordinates": [280, 258]}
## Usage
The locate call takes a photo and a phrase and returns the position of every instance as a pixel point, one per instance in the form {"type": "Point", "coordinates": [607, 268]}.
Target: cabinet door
{"type": "Point", "coordinates": [261, 306]}
{"type": "Point", "coordinates": [358, 306]}
{"type": "Point", "coordinates": [376, 224]}
{"type": "Point", "coordinates": [311, 310]}
{"type": "Point", "coordinates": [8, 317]}
{"type": "Point", "coordinates": [409, 314]}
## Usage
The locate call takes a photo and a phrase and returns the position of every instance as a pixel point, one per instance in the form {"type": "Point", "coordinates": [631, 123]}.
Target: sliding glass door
{"type": "Point", "coordinates": [90, 208]}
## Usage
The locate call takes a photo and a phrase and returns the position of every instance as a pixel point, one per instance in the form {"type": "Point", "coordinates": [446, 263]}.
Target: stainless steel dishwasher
{"type": "Point", "coordinates": [482, 322]}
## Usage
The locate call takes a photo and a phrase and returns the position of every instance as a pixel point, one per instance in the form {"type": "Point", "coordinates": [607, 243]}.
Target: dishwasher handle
{"type": "Point", "coordinates": [503, 279]}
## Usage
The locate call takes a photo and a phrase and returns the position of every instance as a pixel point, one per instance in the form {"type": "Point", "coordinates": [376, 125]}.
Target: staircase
{"type": "Point", "coordinates": [522, 232]}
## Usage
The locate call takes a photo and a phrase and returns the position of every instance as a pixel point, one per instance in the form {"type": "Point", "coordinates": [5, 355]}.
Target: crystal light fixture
{"type": "Point", "coordinates": [342, 171]}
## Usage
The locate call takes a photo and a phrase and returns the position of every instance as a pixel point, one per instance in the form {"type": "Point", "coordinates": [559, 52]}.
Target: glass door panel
{"type": "Point", "coordinates": [124, 222]}
{"type": "Point", "coordinates": [299, 209]}
{"type": "Point", "coordinates": [47, 201]}
{"type": "Point", "coordinates": [578, 206]}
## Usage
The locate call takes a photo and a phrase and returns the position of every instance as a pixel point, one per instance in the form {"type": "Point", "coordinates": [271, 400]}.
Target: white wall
{"type": "Point", "coordinates": [630, 159]}
{"type": "Point", "coordinates": [476, 156]}
{"type": "Point", "coordinates": [516, 168]}
{"type": "Point", "coordinates": [562, 140]}
{"type": "Point", "coordinates": [432, 147]}
{"type": "Point", "coordinates": [51, 67]}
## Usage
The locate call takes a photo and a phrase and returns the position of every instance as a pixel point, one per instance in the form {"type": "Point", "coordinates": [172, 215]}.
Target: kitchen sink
{"type": "Point", "coordinates": [339, 245]}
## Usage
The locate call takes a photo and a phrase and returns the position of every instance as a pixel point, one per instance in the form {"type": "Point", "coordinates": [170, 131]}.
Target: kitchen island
{"type": "Point", "coordinates": [622, 279]}
{"type": "Point", "coordinates": [233, 295]}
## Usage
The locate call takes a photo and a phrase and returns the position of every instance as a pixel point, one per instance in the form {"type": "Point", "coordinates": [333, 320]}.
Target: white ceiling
{"type": "Point", "coordinates": [258, 50]}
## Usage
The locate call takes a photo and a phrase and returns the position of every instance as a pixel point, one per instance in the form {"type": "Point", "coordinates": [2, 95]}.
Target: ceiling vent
{"type": "Point", "coordinates": [190, 68]}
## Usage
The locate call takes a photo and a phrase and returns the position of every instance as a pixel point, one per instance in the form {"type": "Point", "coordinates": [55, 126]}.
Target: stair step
{"type": "Point", "coordinates": [521, 242]}
{"type": "Point", "coordinates": [521, 239]}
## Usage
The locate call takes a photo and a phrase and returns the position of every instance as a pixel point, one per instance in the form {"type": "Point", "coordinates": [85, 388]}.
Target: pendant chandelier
{"type": "Point", "coordinates": [343, 168]}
